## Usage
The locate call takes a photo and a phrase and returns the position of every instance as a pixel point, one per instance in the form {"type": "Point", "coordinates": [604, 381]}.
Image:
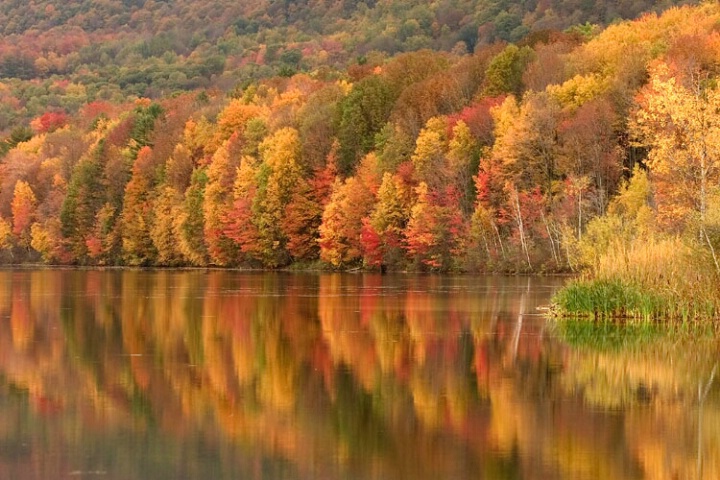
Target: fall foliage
{"type": "Point", "coordinates": [495, 160]}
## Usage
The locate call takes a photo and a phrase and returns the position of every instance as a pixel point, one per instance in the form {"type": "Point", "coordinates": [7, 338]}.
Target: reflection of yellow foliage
{"type": "Point", "coordinates": [277, 387]}
{"type": "Point", "coordinates": [427, 404]}
{"type": "Point", "coordinates": [505, 422]}
{"type": "Point", "coordinates": [23, 329]}
{"type": "Point", "coordinates": [612, 379]}
{"type": "Point", "coordinates": [458, 400]}
{"type": "Point", "coordinates": [420, 323]}
{"type": "Point", "coordinates": [244, 359]}
{"type": "Point", "coordinates": [435, 401]}
{"type": "Point", "coordinates": [666, 441]}
{"type": "Point", "coordinates": [581, 459]}
{"type": "Point", "coordinates": [216, 362]}
{"type": "Point", "coordinates": [6, 288]}
{"type": "Point", "coordinates": [348, 341]}
{"type": "Point", "coordinates": [224, 356]}
{"type": "Point", "coordinates": [391, 339]}
{"type": "Point", "coordinates": [666, 374]}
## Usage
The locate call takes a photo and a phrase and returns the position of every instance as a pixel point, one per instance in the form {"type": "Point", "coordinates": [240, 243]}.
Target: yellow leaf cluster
{"type": "Point", "coordinates": [578, 90]}
{"type": "Point", "coordinates": [5, 234]}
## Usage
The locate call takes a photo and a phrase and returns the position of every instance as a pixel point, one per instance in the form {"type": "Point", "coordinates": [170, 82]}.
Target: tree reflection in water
{"type": "Point", "coordinates": [165, 374]}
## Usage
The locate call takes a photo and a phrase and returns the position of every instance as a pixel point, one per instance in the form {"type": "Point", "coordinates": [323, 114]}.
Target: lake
{"type": "Point", "coordinates": [123, 374]}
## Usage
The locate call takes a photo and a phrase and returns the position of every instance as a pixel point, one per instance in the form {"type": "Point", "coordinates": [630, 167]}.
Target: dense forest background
{"type": "Point", "coordinates": [455, 135]}
{"type": "Point", "coordinates": [61, 55]}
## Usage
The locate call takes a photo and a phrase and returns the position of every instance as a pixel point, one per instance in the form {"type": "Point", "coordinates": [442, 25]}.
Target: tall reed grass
{"type": "Point", "coordinates": [666, 279]}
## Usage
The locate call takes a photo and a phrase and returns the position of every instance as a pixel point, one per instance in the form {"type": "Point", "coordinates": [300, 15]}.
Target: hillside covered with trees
{"type": "Point", "coordinates": [59, 55]}
{"type": "Point", "coordinates": [498, 157]}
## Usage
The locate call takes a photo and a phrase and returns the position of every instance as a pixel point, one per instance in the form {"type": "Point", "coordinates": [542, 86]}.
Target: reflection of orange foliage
{"type": "Point", "coordinates": [421, 326]}
{"type": "Point", "coordinates": [482, 364]}
{"type": "Point", "coordinates": [341, 319]}
{"type": "Point", "coordinates": [278, 361]}
{"type": "Point", "coordinates": [667, 442]}
{"type": "Point", "coordinates": [6, 289]}
{"type": "Point", "coordinates": [45, 405]}
{"type": "Point", "coordinates": [20, 321]}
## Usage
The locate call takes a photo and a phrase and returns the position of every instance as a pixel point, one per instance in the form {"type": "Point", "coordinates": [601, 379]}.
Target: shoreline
{"type": "Point", "coordinates": [290, 269]}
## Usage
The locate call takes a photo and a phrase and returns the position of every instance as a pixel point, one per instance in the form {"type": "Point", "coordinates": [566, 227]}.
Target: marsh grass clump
{"type": "Point", "coordinates": [656, 280]}
{"type": "Point", "coordinates": [606, 298]}
{"type": "Point", "coordinates": [618, 300]}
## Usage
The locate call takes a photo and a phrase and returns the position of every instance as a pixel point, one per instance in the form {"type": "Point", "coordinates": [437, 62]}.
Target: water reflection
{"type": "Point", "coordinates": [133, 375]}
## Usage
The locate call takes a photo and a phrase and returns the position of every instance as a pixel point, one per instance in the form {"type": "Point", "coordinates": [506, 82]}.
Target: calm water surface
{"type": "Point", "coordinates": [227, 375]}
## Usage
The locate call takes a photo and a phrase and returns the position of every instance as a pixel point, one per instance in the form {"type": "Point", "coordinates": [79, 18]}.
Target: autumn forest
{"type": "Point", "coordinates": [511, 140]}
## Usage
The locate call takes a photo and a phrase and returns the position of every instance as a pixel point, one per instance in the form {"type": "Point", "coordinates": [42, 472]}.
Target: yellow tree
{"type": "Point", "coordinates": [23, 207]}
{"type": "Point", "coordinates": [680, 123]}
{"type": "Point", "coordinates": [279, 173]}
{"type": "Point", "coordinates": [526, 144]}
{"type": "Point", "coordinates": [5, 234]}
{"type": "Point", "coordinates": [388, 219]}
{"type": "Point", "coordinates": [430, 151]}
{"type": "Point", "coordinates": [462, 159]}
{"type": "Point", "coordinates": [234, 118]}
{"type": "Point", "coordinates": [218, 200]}
{"type": "Point", "coordinates": [190, 220]}
{"type": "Point", "coordinates": [136, 213]}
{"type": "Point", "coordinates": [167, 207]}
{"type": "Point", "coordinates": [238, 219]}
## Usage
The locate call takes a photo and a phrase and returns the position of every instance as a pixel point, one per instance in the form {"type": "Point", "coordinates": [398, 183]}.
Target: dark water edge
{"type": "Point", "coordinates": [135, 374]}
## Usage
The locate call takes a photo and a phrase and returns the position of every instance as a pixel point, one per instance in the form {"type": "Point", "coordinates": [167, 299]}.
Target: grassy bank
{"type": "Point", "coordinates": [654, 280]}
{"type": "Point", "coordinates": [620, 300]}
